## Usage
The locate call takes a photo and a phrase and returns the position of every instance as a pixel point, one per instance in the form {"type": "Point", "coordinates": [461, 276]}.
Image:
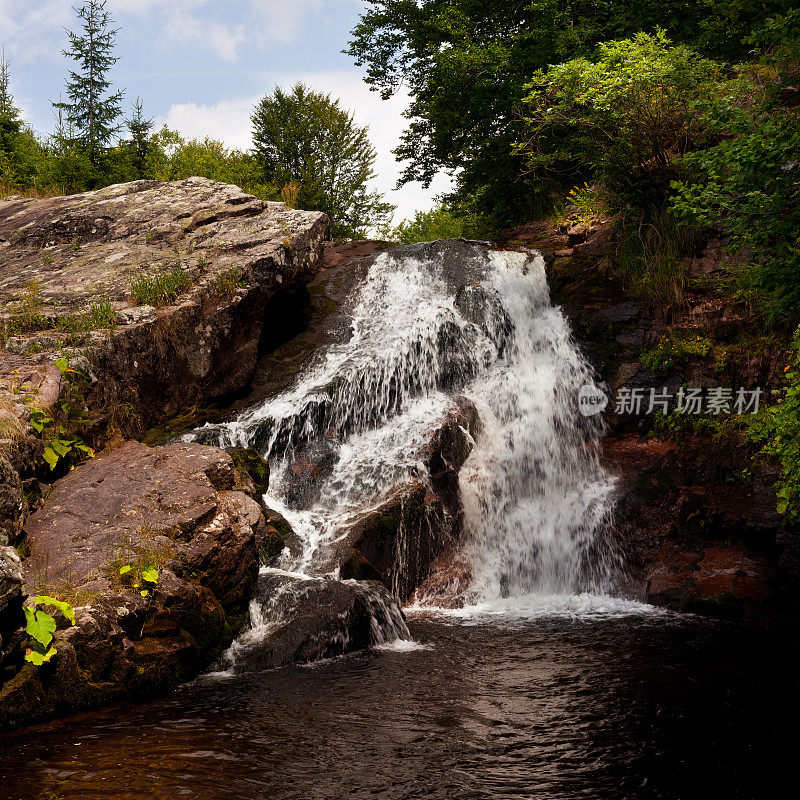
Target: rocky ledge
{"type": "Point", "coordinates": [184, 511]}
{"type": "Point", "coordinates": [166, 286]}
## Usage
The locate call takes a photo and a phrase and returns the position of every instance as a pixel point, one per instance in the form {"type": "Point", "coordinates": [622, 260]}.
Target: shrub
{"type": "Point", "coordinates": [624, 116]}
{"type": "Point", "coordinates": [160, 288]}
{"type": "Point", "coordinates": [673, 350]}
{"type": "Point", "coordinates": [777, 429]}
{"type": "Point", "coordinates": [746, 184]}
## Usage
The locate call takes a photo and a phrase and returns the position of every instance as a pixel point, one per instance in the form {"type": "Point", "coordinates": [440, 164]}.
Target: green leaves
{"type": "Point", "coordinates": [37, 659]}
{"type": "Point", "coordinates": [778, 430]}
{"type": "Point", "coordinates": [39, 625]}
{"type": "Point", "coordinates": [150, 575]}
{"type": "Point", "coordinates": [65, 608]}
{"type": "Point", "coordinates": [125, 570]}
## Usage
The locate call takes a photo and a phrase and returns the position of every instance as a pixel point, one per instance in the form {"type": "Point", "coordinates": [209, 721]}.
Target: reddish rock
{"type": "Point", "coordinates": [176, 508]}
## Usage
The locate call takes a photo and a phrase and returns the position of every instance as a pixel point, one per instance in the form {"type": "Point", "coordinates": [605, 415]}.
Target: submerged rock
{"type": "Point", "coordinates": [307, 619]}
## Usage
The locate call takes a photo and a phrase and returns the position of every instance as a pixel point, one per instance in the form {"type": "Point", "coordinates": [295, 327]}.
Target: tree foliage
{"type": "Point", "coordinates": [305, 136]}
{"type": "Point", "coordinates": [92, 111]}
{"type": "Point", "coordinates": [466, 65]}
{"type": "Point", "coordinates": [622, 117]}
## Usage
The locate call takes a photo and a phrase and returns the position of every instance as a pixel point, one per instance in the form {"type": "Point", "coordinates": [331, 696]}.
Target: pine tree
{"type": "Point", "coordinates": [92, 111]}
{"type": "Point", "coordinates": [139, 128]}
{"type": "Point", "coordinates": [10, 122]}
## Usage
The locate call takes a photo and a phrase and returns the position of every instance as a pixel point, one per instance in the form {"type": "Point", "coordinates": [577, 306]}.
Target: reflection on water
{"type": "Point", "coordinates": [546, 708]}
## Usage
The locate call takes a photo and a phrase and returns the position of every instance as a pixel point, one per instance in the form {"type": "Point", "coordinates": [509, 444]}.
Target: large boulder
{"type": "Point", "coordinates": [235, 256]}
{"type": "Point", "coordinates": [182, 509]}
{"type": "Point", "coordinates": [400, 540]}
{"type": "Point", "coordinates": [307, 619]}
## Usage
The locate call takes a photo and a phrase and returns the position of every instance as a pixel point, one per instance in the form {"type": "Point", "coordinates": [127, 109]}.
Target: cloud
{"type": "Point", "coordinates": [204, 23]}
{"type": "Point", "coordinates": [31, 32]}
{"type": "Point", "coordinates": [229, 121]}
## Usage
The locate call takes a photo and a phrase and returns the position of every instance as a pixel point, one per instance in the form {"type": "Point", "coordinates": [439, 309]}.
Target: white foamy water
{"type": "Point", "coordinates": [429, 324]}
{"type": "Point", "coordinates": [537, 606]}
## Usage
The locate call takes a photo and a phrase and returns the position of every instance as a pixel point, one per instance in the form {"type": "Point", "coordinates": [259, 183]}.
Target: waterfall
{"type": "Point", "coordinates": [430, 323]}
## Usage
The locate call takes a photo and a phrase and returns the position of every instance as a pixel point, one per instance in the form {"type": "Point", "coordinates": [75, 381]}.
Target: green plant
{"type": "Point", "coordinates": [227, 282]}
{"type": "Point", "coordinates": [159, 288]}
{"type": "Point", "coordinates": [777, 429]}
{"type": "Point", "coordinates": [624, 115]}
{"type": "Point", "coordinates": [41, 627]}
{"type": "Point", "coordinates": [62, 444]}
{"type": "Point", "coordinates": [679, 425]}
{"type": "Point", "coordinates": [588, 202]}
{"type": "Point", "coordinates": [26, 312]}
{"type": "Point", "coordinates": [673, 350]}
{"type": "Point", "coordinates": [142, 577]}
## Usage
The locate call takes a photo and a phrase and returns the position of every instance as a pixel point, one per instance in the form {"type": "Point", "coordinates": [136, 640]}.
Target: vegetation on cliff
{"type": "Point", "coordinates": [308, 151]}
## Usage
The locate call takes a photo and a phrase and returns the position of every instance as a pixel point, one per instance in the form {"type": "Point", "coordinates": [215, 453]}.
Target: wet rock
{"type": "Point", "coordinates": [253, 469]}
{"type": "Point", "coordinates": [308, 469]}
{"type": "Point", "coordinates": [311, 619]}
{"type": "Point", "coordinates": [12, 503]}
{"type": "Point", "coordinates": [400, 541]}
{"type": "Point", "coordinates": [175, 508]}
{"type": "Point", "coordinates": [11, 581]}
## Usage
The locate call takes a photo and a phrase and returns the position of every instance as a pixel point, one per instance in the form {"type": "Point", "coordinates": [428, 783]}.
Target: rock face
{"type": "Point", "coordinates": [232, 254]}
{"type": "Point", "coordinates": [400, 542]}
{"type": "Point", "coordinates": [182, 509]}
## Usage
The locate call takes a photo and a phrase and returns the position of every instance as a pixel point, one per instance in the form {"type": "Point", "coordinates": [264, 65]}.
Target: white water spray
{"type": "Point", "coordinates": [430, 323]}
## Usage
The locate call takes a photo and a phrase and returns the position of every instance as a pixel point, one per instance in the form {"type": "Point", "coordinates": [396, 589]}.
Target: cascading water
{"type": "Point", "coordinates": [430, 323]}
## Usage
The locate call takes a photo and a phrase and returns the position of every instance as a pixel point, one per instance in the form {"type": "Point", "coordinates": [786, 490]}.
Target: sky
{"type": "Point", "coordinates": [201, 65]}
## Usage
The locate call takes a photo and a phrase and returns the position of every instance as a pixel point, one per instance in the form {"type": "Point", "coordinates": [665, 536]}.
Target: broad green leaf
{"type": "Point", "coordinates": [125, 570]}
{"type": "Point", "coordinates": [51, 457]}
{"type": "Point", "coordinates": [60, 447]}
{"type": "Point", "coordinates": [144, 593]}
{"type": "Point", "coordinates": [65, 608]}
{"type": "Point", "coordinates": [40, 625]}
{"type": "Point", "coordinates": [37, 659]}
{"type": "Point", "coordinates": [150, 575]}
{"type": "Point", "coordinates": [62, 364]}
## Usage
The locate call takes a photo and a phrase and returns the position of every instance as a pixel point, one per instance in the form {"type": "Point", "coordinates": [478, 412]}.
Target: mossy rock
{"type": "Point", "coordinates": [249, 462]}
{"type": "Point", "coordinates": [272, 547]}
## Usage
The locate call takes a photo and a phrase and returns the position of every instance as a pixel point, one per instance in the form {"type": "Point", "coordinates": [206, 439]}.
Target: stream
{"type": "Point", "coordinates": [534, 673]}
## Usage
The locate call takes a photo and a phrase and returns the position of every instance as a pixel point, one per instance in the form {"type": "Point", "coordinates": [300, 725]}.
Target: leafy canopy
{"type": "Point", "coordinates": [304, 136]}
{"type": "Point", "coordinates": [622, 116]}
{"type": "Point", "coordinates": [466, 65]}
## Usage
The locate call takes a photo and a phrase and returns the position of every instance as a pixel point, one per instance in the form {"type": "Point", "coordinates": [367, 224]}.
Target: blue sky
{"type": "Point", "coordinates": [200, 65]}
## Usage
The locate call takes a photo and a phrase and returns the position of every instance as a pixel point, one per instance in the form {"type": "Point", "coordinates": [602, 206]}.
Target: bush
{"type": "Point", "coordinates": [746, 184]}
{"type": "Point", "coordinates": [623, 117]}
{"type": "Point", "coordinates": [777, 428]}
{"type": "Point", "coordinates": [673, 350]}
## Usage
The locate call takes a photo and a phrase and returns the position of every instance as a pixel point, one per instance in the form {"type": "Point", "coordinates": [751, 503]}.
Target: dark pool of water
{"type": "Point", "coordinates": [551, 708]}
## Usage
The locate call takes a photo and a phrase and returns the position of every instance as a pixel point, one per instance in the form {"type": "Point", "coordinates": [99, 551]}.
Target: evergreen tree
{"type": "Point", "coordinates": [10, 122]}
{"type": "Point", "coordinates": [139, 128]}
{"type": "Point", "coordinates": [92, 111]}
